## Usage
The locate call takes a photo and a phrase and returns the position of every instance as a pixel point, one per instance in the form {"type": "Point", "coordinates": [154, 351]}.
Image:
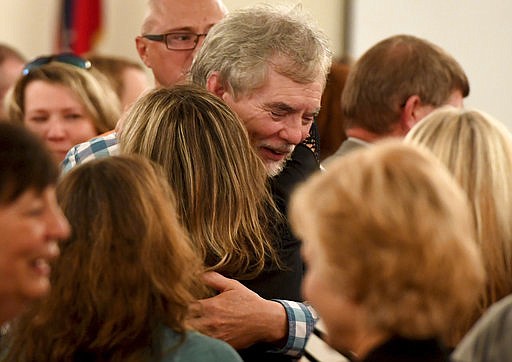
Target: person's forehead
{"type": "Point", "coordinates": [195, 15]}
{"type": "Point", "coordinates": [281, 91]}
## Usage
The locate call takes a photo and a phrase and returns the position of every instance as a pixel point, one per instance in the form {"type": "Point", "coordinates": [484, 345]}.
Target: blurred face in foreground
{"type": "Point", "coordinates": [30, 227]}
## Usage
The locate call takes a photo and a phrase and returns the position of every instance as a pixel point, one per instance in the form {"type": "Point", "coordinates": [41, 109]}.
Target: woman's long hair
{"type": "Point", "coordinates": [220, 181]}
{"type": "Point", "coordinates": [126, 270]}
{"type": "Point", "coordinates": [477, 149]}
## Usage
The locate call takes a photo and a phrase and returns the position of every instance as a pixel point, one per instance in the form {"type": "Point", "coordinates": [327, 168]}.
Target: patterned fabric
{"type": "Point", "coordinates": [301, 323]}
{"type": "Point", "coordinates": [98, 147]}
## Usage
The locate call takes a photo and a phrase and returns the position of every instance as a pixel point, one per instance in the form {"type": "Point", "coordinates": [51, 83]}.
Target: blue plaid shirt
{"type": "Point", "coordinates": [301, 316]}
{"type": "Point", "coordinates": [301, 323]}
{"type": "Point", "coordinates": [98, 147]}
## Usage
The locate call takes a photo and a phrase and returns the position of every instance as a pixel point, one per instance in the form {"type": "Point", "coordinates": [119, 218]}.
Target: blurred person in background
{"type": "Point", "coordinates": [11, 65]}
{"type": "Point", "coordinates": [330, 119]}
{"type": "Point", "coordinates": [489, 340]}
{"type": "Point", "coordinates": [64, 101]}
{"type": "Point", "coordinates": [477, 150]}
{"type": "Point", "coordinates": [393, 85]}
{"type": "Point", "coordinates": [127, 77]}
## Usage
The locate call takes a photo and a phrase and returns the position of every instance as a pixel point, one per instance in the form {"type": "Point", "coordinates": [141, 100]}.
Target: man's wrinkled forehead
{"type": "Point", "coordinates": [176, 15]}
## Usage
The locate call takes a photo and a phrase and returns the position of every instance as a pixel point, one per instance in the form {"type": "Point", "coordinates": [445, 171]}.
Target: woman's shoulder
{"type": "Point", "coordinates": [196, 347]}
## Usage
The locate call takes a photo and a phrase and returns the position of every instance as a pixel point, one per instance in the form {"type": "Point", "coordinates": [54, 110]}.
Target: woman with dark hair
{"type": "Point", "coordinates": [30, 220]}
{"type": "Point", "coordinates": [126, 276]}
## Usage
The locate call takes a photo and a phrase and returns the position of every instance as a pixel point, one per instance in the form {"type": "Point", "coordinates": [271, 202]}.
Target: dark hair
{"type": "Point", "coordinates": [25, 163]}
{"type": "Point", "coordinates": [126, 271]}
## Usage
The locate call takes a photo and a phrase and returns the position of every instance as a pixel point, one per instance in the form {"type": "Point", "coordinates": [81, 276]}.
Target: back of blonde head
{"type": "Point", "coordinates": [478, 151]}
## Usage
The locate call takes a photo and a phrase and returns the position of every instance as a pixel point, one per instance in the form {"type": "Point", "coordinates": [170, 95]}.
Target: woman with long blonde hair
{"type": "Point", "coordinates": [477, 149]}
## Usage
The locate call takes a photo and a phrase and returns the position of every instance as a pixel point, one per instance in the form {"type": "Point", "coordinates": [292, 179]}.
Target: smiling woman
{"type": "Point", "coordinates": [30, 220]}
{"type": "Point", "coordinates": [64, 102]}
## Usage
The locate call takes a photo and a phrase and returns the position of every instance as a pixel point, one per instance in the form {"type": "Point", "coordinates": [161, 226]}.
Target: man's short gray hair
{"type": "Point", "coordinates": [243, 46]}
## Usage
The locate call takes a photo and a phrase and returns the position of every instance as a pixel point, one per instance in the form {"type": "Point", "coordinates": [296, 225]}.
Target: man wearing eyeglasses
{"type": "Point", "coordinates": [171, 34]}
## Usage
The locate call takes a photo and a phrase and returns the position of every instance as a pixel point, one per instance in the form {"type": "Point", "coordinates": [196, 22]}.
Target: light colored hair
{"type": "Point", "coordinates": [90, 86]}
{"type": "Point", "coordinates": [245, 44]}
{"type": "Point", "coordinates": [123, 273]}
{"type": "Point", "coordinates": [391, 71]}
{"type": "Point", "coordinates": [396, 238]}
{"type": "Point", "coordinates": [477, 149]}
{"type": "Point", "coordinates": [220, 181]}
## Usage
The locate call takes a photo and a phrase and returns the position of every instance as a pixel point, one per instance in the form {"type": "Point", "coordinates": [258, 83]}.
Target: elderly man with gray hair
{"type": "Point", "coordinates": [269, 65]}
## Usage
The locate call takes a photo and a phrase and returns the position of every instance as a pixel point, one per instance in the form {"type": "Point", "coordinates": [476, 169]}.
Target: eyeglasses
{"type": "Point", "coordinates": [176, 41]}
{"type": "Point", "coordinates": [67, 58]}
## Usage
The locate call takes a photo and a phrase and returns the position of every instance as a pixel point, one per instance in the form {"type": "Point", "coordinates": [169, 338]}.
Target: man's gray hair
{"type": "Point", "coordinates": [243, 47]}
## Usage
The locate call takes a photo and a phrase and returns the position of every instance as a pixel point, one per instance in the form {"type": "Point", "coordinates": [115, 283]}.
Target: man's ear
{"type": "Point", "coordinates": [214, 84]}
{"type": "Point", "coordinates": [412, 113]}
{"type": "Point", "coordinates": [142, 49]}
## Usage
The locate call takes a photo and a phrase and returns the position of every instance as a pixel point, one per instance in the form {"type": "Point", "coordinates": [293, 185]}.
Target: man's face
{"type": "Point", "coordinates": [277, 116]}
{"type": "Point", "coordinates": [195, 16]}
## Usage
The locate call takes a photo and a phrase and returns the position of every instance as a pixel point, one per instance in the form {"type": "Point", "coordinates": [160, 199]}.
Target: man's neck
{"type": "Point", "coordinates": [370, 137]}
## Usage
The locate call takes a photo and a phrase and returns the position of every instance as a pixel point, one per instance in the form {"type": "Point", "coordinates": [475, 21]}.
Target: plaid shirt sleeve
{"type": "Point", "coordinates": [301, 323]}
{"type": "Point", "coordinates": [98, 147]}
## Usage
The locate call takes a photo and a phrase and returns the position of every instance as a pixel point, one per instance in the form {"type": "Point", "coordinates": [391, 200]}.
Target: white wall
{"type": "Point", "coordinates": [30, 24]}
{"type": "Point", "coordinates": [477, 33]}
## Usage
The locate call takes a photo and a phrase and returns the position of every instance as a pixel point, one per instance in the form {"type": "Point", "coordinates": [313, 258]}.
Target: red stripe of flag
{"type": "Point", "coordinates": [80, 25]}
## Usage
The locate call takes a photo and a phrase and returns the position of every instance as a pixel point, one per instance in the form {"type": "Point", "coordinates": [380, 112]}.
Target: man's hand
{"type": "Point", "coordinates": [237, 315]}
